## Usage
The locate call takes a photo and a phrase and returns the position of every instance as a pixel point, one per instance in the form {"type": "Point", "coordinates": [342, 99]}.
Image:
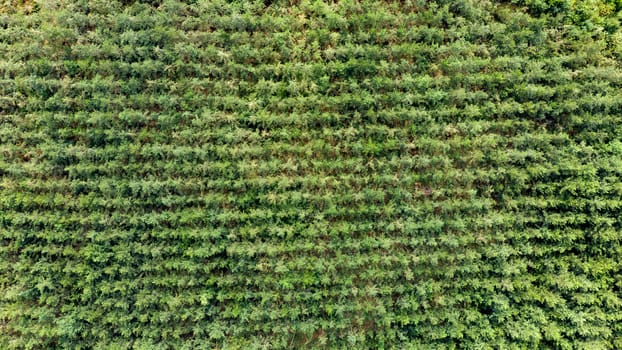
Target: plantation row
{"type": "Point", "coordinates": [250, 175]}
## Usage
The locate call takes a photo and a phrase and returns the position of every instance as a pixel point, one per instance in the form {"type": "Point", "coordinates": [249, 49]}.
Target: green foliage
{"type": "Point", "coordinates": [580, 12]}
{"type": "Point", "coordinates": [310, 175]}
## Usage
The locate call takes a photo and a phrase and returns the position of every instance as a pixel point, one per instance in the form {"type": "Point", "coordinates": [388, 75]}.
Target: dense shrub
{"type": "Point", "coordinates": [309, 174]}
